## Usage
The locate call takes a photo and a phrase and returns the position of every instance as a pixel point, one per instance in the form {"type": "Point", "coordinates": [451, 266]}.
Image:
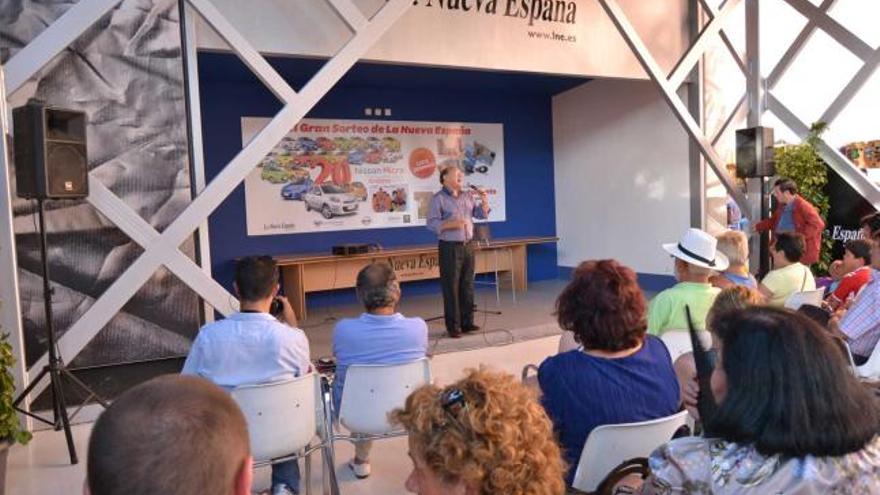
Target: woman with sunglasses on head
{"type": "Point", "coordinates": [483, 435]}
{"type": "Point", "coordinates": [785, 415]}
{"type": "Point", "coordinates": [619, 374]}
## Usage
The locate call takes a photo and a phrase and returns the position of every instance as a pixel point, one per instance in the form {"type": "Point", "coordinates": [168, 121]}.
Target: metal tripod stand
{"type": "Point", "coordinates": [55, 370]}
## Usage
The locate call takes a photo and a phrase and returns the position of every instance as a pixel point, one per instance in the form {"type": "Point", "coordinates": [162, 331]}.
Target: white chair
{"type": "Point", "coordinates": [871, 369]}
{"type": "Point", "coordinates": [678, 342]}
{"type": "Point", "coordinates": [373, 391]}
{"type": "Point", "coordinates": [609, 445]}
{"type": "Point", "coordinates": [798, 299]}
{"type": "Point", "coordinates": [283, 419]}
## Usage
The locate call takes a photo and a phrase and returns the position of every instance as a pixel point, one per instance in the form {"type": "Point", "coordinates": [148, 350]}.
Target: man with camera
{"type": "Point", "coordinates": [252, 346]}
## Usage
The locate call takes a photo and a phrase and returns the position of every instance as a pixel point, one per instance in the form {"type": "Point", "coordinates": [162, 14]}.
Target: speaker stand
{"type": "Point", "coordinates": [56, 369]}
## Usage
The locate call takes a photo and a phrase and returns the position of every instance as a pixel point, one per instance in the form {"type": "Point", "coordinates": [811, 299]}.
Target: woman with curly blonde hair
{"type": "Point", "coordinates": [483, 435]}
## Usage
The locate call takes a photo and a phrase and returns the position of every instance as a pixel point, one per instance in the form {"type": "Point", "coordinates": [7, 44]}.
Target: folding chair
{"type": "Point", "coordinates": [608, 446]}
{"type": "Point", "coordinates": [283, 419]}
{"type": "Point", "coordinates": [678, 342]}
{"type": "Point", "coordinates": [372, 391]}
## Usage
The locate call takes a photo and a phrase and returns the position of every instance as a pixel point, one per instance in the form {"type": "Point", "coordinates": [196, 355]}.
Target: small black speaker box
{"type": "Point", "coordinates": [754, 152]}
{"type": "Point", "coordinates": [50, 152]}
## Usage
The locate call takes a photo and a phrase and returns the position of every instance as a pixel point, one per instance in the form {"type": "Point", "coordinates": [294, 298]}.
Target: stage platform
{"type": "Point", "coordinates": [530, 317]}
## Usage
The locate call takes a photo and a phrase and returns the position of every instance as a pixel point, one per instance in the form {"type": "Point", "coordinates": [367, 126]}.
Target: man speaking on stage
{"type": "Point", "coordinates": [450, 216]}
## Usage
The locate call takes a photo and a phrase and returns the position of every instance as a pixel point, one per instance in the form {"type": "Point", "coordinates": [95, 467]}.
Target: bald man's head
{"type": "Point", "coordinates": [173, 434]}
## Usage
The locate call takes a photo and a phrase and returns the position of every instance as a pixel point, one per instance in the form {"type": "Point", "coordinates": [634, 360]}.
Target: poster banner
{"type": "Point", "coordinates": [329, 174]}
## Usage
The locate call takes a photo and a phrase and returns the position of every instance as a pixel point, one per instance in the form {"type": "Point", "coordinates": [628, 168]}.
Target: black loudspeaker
{"type": "Point", "coordinates": [754, 152]}
{"type": "Point", "coordinates": [50, 152]}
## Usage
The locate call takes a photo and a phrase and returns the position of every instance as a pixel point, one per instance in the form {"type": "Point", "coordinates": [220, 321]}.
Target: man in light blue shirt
{"type": "Point", "coordinates": [253, 347]}
{"type": "Point", "coordinates": [379, 336]}
{"type": "Point", "coordinates": [450, 216]}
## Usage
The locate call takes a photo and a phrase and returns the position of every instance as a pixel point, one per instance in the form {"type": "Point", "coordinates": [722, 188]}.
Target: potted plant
{"type": "Point", "coordinates": [10, 427]}
{"type": "Point", "coordinates": [802, 163]}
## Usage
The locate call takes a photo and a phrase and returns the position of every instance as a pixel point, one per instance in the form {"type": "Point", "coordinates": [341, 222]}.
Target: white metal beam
{"type": "Point", "coordinates": [350, 13]}
{"type": "Point", "coordinates": [141, 232]}
{"type": "Point", "coordinates": [247, 53]}
{"type": "Point", "coordinates": [712, 11]}
{"type": "Point", "coordinates": [97, 316]}
{"type": "Point", "coordinates": [833, 28]}
{"type": "Point", "coordinates": [53, 40]}
{"type": "Point", "coordinates": [839, 163]}
{"type": "Point", "coordinates": [796, 47]}
{"type": "Point", "coordinates": [698, 48]}
{"type": "Point", "coordinates": [721, 130]}
{"type": "Point", "coordinates": [852, 88]}
{"type": "Point", "coordinates": [640, 50]}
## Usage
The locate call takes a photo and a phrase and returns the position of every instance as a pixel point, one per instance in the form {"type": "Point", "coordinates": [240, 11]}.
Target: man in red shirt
{"type": "Point", "coordinates": [795, 214]}
{"type": "Point", "coordinates": [856, 265]}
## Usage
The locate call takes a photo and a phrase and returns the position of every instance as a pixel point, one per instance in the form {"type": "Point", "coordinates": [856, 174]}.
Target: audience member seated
{"type": "Point", "coordinates": [619, 374]}
{"type": "Point", "coordinates": [695, 259]}
{"type": "Point", "coordinates": [870, 225]}
{"type": "Point", "coordinates": [855, 271]}
{"type": "Point", "coordinates": [860, 324]}
{"type": "Point", "coordinates": [735, 246]}
{"type": "Point", "coordinates": [790, 417]}
{"type": "Point", "coordinates": [252, 347]}
{"type": "Point", "coordinates": [730, 299]}
{"type": "Point", "coordinates": [172, 434]}
{"type": "Point", "coordinates": [788, 275]}
{"type": "Point", "coordinates": [483, 435]}
{"type": "Point", "coordinates": [381, 335]}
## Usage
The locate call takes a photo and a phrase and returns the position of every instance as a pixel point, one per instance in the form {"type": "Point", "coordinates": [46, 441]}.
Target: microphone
{"type": "Point", "coordinates": [476, 189]}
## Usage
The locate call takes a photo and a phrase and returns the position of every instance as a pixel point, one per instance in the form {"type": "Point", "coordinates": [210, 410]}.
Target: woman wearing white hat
{"type": "Point", "coordinates": [696, 258]}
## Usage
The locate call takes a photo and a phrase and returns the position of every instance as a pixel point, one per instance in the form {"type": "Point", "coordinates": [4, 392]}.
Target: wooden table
{"type": "Point", "coordinates": [304, 273]}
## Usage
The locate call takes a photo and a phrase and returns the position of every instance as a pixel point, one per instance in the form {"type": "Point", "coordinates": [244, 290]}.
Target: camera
{"type": "Point", "coordinates": [276, 308]}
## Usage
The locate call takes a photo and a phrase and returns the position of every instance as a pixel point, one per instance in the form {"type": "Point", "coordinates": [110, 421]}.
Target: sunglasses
{"type": "Point", "coordinates": [453, 402]}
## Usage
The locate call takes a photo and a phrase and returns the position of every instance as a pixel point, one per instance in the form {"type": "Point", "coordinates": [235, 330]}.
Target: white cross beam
{"type": "Point", "coordinates": [160, 248]}
{"type": "Point", "coordinates": [667, 88]}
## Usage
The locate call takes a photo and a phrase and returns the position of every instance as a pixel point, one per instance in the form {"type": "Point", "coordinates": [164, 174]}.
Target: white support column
{"type": "Point", "coordinates": [10, 304]}
{"type": "Point", "coordinates": [755, 101]}
{"type": "Point", "coordinates": [197, 146]}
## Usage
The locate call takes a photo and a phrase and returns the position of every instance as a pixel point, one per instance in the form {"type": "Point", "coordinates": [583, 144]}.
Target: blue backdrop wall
{"type": "Point", "coordinates": [520, 102]}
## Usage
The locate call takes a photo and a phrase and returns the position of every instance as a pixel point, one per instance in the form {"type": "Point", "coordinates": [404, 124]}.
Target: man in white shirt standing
{"type": "Point", "coordinates": [252, 346]}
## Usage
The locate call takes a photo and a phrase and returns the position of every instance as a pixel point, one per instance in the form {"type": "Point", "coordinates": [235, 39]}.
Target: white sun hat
{"type": "Point", "coordinates": [698, 248]}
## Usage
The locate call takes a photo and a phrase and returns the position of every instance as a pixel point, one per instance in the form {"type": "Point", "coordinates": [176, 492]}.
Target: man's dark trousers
{"type": "Point", "coordinates": [457, 279]}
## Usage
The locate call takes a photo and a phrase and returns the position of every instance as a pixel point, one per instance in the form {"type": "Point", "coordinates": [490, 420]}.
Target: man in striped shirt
{"type": "Point", "coordinates": [860, 324]}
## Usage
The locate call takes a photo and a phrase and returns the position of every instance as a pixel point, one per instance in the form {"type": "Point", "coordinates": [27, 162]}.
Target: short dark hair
{"type": "Point", "coordinates": [172, 434]}
{"type": "Point", "coordinates": [859, 248]}
{"type": "Point", "coordinates": [604, 306]}
{"type": "Point", "coordinates": [872, 221]}
{"type": "Point", "coordinates": [446, 170]}
{"type": "Point", "coordinates": [786, 185]}
{"type": "Point", "coordinates": [255, 277]}
{"type": "Point", "coordinates": [790, 390]}
{"type": "Point", "coordinates": [790, 243]}
{"type": "Point", "coordinates": [377, 286]}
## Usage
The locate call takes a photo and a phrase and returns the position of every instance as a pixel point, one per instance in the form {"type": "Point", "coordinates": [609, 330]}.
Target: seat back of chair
{"type": "Point", "coordinates": [373, 391]}
{"type": "Point", "coordinates": [609, 445]}
{"type": "Point", "coordinates": [678, 342]}
{"type": "Point", "coordinates": [282, 417]}
{"type": "Point", "coordinates": [871, 368]}
{"type": "Point", "coordinates": [798, 299]}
